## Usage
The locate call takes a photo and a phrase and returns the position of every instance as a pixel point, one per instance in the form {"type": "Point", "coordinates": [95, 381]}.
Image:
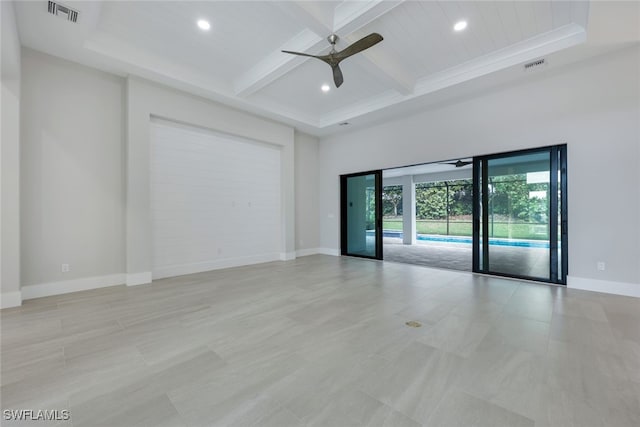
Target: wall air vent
{"type": "Point", "coordinates": [62, 11]}
{"type": "Point", "coordinates": [538, 63]}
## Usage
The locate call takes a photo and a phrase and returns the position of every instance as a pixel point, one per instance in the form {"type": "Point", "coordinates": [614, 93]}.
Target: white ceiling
{"type": "Point", "coordinates": [239, 61]}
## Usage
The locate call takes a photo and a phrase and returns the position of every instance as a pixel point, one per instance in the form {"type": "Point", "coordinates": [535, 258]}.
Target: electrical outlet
{"type": "Point", "coordinates": [601, 266]}
{"type": "Point", "coordinates": [65, 268]}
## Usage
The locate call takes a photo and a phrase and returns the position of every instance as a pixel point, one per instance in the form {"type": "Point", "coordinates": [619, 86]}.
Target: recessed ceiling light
{"type": "Point", "coordinates": [204, 25]}
{"type": "Point", "coordinates": [325, 88]}
{"type": "Point", "coordinates": [460, 25]}
{"type": "Point", "coordinates": [344, 124]}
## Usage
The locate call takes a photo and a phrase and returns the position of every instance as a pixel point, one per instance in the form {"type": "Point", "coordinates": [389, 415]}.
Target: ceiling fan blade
{"type": "Point", "coordinates": [324, 58]}
{"type": "Point", "coordinates": [337, 76]}
{"type": "Point", "coordinates": [334, 58]}
{"type": "Point", "coordinates": [359, 46]}
{"type": "Point", "coordinates": [301, 54]}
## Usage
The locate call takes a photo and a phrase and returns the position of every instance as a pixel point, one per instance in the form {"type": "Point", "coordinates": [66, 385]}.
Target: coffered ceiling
{"type": "Point", "coordinates": [238, 61]}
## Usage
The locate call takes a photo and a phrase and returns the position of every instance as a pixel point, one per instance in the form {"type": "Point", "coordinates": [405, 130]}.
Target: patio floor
{"type": "Point", "coordinates": [533, 262]}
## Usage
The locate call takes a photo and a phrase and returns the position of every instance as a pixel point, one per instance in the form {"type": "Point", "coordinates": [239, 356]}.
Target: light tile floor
{"type": "Point", "coordinates": [322, 341]}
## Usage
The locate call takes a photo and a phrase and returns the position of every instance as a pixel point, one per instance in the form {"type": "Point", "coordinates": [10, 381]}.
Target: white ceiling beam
{"type": "Point", "coordinates": [307, 17]}
{"type": "Point", "coordinates": [276, 64]}
{"type": "Point", "coordinates": [515, 55]}
{"type": "Point", "coordinates": [348, 17]}
{"type": "Point", "coordinates": [385, 69]}
{"type": "Point", "coordinates": [351, 16]}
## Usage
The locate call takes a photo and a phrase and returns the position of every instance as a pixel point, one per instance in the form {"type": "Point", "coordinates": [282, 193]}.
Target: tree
{"type": "Point", "coordinates": [391, 200]}
{"type": "Point", "coordinates": [437, 200]}
{"type": "Point", "coordinates": [431, 201]}
{"type": "Point", "coordinates": [511, 198]}
{"type": "Point", "coordinates": [460, 197]}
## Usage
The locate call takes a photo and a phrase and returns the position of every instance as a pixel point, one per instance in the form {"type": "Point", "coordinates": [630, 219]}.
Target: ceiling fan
{"type": "Point", "coordinates": [458, 163]}
{"type": "Point", "coordinates": [334, 57]}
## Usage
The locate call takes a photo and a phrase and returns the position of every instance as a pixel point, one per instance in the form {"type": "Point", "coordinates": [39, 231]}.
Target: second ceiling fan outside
{"type": "Point", "coordinates": [333, 58]}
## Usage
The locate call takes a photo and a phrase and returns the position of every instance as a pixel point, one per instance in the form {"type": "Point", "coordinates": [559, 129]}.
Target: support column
{"type": "Point", "coordinates": [408, 210]}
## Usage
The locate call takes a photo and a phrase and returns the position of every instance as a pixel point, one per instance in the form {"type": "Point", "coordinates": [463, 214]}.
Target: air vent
{"type": "Point", "coordinates": [534, 64]}
{"type": "Point", "coordinates": [62, 11]}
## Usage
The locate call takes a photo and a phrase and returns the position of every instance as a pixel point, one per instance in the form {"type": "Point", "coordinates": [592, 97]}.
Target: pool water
{"type": "Point", "coordinates": [467, 240]}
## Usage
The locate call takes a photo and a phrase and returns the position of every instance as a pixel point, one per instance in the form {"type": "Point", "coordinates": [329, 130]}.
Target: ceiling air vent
{"type": "Point", "coordinates": [530, 66]}
{"type": "Point", "coordinates": [62, 11]}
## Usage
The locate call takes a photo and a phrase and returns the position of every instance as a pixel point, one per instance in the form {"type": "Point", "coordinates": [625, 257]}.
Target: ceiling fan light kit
{"type": "Point", "coordinates": [333, 58]}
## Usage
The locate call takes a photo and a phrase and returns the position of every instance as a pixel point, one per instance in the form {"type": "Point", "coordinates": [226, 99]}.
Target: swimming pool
{"type": "Point", "coordinates": [467, 240]}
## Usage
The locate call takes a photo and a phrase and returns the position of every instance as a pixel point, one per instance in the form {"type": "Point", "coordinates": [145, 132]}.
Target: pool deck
{"type": "Point", "coordinates": [533, 262]}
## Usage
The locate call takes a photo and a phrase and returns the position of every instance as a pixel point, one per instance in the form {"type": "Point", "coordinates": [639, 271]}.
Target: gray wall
{"type": "Point", "coordinates": [74, 169]}
{"type": "Point", "coordinates": [592, 106]}
{"type": "Point", "coordinates": [10, 160]}
{"type": "Point", "coordinates": [72, 179]}
{"type": "Point", "coordinates": [73, 164]}
{"type": "Point", "coordinates": [306, 187]}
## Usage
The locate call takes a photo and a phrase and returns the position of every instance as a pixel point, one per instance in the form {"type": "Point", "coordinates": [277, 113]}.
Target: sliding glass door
{"type": "Point", "coordinates": [361, 216]}
{"type": "Point", "coordinates": [520, 214]}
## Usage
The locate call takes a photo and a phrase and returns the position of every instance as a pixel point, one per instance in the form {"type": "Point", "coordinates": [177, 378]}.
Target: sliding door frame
{"type": "Point", "coordinates": [557, 181]}
{"type": "Point", "coordinates": [378, 213]}
{"type": "Point", "coordinates": [564, 213]}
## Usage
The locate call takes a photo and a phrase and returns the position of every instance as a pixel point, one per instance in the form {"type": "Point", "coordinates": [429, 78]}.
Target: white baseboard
{"type": "Point", "coordinates": [180, 270]}
{"type": "Point", "coordinates": [73, 285]}
{"type": "Point", "coordinates": [329, 251]}
{"type": "Point", "coordinates": [307, 252]}
{"type": "Point", "coordinates": [135, 279]}
{"type": "Point", "coordinates": [10, 299]}
{"type": "Point", "coordinates": [287, 256]}
{"type": "Point", "coordinates": [605, 286]}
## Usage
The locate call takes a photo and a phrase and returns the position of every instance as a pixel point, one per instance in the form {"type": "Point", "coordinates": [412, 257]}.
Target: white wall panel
{"type": "Point", "coordinates": [215, 200]}
{"type": "Point", "coordinates": [145, 100]}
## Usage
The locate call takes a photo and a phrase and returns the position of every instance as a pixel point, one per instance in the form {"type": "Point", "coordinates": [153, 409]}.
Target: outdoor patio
{"type": "Point", "coordinates": [521, 261]}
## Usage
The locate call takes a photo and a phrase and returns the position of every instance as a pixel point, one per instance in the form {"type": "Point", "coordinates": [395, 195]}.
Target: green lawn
{"type": "Point", "coordinates": [500, 229]}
